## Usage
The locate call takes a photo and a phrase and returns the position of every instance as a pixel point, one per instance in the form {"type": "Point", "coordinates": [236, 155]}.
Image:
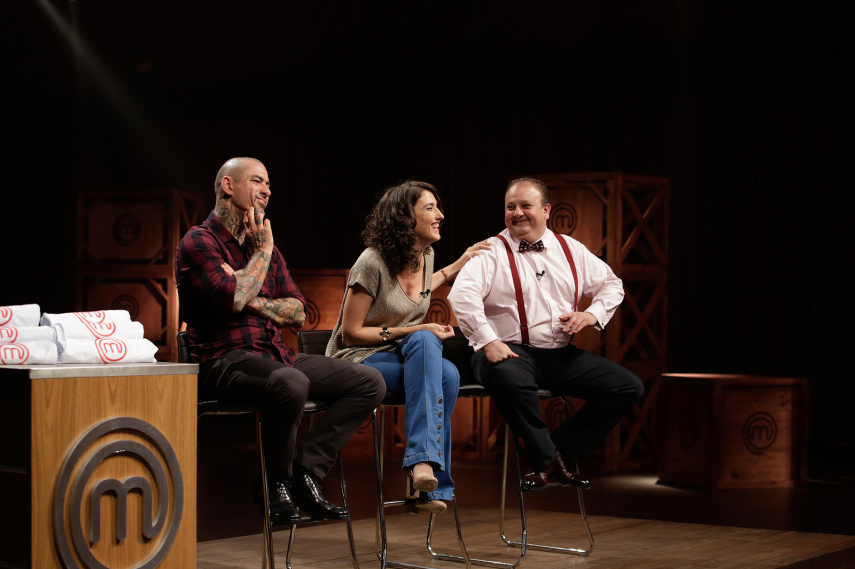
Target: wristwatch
{"type": "Point", "coordinates": [385, 334]}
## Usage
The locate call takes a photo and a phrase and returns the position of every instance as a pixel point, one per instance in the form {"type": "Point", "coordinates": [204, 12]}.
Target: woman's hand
{"type": "Point", "coordinates": [472, 251]}
{"type": "Point", "coordinates": [448, 273]}
{"type": "Point", "coordinates": [441, 331]}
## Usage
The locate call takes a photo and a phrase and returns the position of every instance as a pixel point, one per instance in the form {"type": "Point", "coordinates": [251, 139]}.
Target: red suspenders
{"type": "Point", "coordinates": [518, 286]}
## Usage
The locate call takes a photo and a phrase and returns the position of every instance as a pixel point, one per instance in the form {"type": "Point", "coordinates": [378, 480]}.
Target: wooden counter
{"type": "Point", "coordinates": [121, 438]}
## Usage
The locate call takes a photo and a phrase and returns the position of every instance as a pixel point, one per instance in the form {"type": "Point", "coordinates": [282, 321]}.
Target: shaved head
{"type": "Point", "coordinates": [234, 168]}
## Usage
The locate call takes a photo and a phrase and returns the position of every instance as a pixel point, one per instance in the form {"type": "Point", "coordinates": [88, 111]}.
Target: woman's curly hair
{"type": "Point", "coordinates": [390, 229]}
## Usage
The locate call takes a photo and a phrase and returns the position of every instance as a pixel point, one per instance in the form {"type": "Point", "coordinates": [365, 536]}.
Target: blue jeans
{"type": "Point", "coordinates": [429, 385]}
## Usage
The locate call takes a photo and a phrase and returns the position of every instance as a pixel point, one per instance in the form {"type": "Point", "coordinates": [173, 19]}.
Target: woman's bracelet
{"type": "Point", "coordinates": [444, 274]}
{"type": "Point", "coordinates": [385, 334]}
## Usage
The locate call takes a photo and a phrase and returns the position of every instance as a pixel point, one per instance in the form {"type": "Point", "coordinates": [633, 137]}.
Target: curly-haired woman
{"type": "Point", "coordinates": [380, 325]}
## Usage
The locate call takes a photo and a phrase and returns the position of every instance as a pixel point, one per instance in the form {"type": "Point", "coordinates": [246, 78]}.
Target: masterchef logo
{"type": "Point", "coordinates": [102, 330]}
{"type": "Point", "coordinates": [13, 354]}
{"type": "Point", "coordinates": [95, 317]}
{"type": "Point", "coordinates": [5, 315]}
{"type": "Point", "coordinates": [8, 335]}
{"type": "Point", "coordinates": [112, 350]}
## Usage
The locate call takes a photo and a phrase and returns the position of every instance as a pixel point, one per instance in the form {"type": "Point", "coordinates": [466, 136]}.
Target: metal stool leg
{"type": "Point", "coordinates": [534, 546]}
{"type": "Point", "coordinates": [488, 562]}
{"type": "Point", "coordinates": [582, 513]}
{"type": "Point", "coordinates": [381, 540]}
{"type": "Point", "coordinates": [267, 534]}
{"type": "Point", "coordinates": [523, 543]}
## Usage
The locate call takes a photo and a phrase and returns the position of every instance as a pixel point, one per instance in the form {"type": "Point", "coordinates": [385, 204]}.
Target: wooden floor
{"type": "Point", "coordinates": [620, 543]}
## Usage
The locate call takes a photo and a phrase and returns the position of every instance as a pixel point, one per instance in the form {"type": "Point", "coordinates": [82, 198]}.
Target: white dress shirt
{"type": "Point", "coordinates": [485, 304]}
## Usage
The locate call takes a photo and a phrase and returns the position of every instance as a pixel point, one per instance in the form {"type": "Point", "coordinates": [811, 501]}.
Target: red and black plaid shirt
{"type": "Point", "coordinates": [207, 294]}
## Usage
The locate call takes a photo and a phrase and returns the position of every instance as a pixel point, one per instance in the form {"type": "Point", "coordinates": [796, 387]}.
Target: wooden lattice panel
{"type": "Point", "coordinates": [623, 219]}
{"type": "Point", "coordinates": [126, 245]}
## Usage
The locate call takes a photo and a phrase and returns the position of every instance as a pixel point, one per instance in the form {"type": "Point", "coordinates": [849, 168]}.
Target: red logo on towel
{"type": "Point", "coordinates": [5, 315]}
{"type": "Point", "coordinates": [8, 335]}
{"type": "Point", "coordinates": [14, 353]}
{"type": "Point", "coordinates": [95, 317]}
{"type": "Point", "coordinates": [102, 330]}
{"type": "Point", "coordinates": [111, 350]}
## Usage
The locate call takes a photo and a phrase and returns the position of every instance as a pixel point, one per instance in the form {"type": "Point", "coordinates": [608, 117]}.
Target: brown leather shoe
{"type": "Point", "coordinates": [556, 474]}
{"type": "Point", "coordinates": [564, 475]}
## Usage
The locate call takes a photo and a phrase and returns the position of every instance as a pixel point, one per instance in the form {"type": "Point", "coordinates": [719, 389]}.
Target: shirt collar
{"type": "Point", "coordinates": [547, 238]}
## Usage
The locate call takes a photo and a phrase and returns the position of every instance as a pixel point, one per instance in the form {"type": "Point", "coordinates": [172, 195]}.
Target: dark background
{"type": "Point", "coordinates": [748, 110]}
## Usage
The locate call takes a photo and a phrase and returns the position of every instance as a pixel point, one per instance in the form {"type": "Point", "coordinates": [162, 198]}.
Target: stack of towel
{"type": "Point", "coordinates": [103, 336]}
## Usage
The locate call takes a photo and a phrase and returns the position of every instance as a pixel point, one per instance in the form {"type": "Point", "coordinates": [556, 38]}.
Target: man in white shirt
{"type": "Point", "coordinates": [516, 353]}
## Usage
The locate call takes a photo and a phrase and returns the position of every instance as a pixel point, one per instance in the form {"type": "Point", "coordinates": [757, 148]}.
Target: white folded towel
{"type": "Point", "coordinates": [35, 353]}
{"type": "Point", "coordinates": [94, 317]}
{"type": "Point", "coordinates": [108, 351]}
{"type": "Point", "coordinates": [87, 331]}
{"type": "Point", "coordinates": [13, 335]}
{"type": "Point", "coordinates": [20, 315]}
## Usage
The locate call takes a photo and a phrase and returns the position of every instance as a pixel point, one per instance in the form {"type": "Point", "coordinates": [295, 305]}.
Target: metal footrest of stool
{"type": "Point", "coordinates": [381, 541]}
{"type": "Point", "coordinates": [523, 544]}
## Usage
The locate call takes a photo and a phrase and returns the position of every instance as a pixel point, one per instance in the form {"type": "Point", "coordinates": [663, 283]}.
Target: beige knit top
{"type": "Point", "coordinates": [391, 307]}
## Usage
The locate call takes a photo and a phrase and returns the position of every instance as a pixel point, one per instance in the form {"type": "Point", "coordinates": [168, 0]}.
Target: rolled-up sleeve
{"type": "Point", "coordinates": [599, 283]}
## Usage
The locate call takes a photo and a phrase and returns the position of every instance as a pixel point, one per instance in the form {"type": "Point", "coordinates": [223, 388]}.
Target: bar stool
{"type": "Point", "coordinates": [523, 544]}
{"type": "Point", "coordinates": [457, 350]}
{"type": "Point", "coordinates": [315, 342]}
{"type": "Point", "coordinates": [234, 407]}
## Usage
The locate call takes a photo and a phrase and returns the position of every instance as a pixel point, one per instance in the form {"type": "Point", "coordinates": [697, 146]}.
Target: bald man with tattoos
{"type": "Point", "coordinates": [236, 294]}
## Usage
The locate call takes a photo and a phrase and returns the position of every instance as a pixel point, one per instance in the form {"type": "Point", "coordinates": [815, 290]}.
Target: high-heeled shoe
{"type": "Point", "coordinates": [420, 479]}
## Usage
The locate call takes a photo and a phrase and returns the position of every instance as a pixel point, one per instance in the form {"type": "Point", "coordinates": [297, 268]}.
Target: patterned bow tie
{"type": "Point", "coordinates": [526, 246]}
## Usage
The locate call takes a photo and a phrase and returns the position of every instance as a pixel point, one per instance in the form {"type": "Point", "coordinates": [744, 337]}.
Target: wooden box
{"type": "Point", "coordinates": [733, 431]}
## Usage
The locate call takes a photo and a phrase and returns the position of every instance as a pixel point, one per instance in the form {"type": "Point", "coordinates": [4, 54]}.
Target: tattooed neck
{"type": "Point", "coordinates": [231, 217]}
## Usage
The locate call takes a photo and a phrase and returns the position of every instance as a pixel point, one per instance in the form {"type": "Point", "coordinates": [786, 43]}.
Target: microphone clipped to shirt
{"type": "Point", "coordinates": [540, 274]}
{"type": "Point", "coordinates": [425, 294]}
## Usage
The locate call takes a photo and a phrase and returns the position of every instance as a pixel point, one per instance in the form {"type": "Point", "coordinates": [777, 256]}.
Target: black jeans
{"type": "Point", "coordinates": [352, 392]}
{"type": "Point", "coordinates": [609, 389]}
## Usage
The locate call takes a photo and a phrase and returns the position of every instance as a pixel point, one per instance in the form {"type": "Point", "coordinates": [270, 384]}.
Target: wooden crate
{"type": "Point", "coordinates": [733, 431]}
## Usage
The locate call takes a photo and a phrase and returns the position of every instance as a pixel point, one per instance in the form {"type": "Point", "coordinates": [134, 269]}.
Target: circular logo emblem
{"type": "Point", "coordinates": [438, 312]}
{"type": "Point", "coordinates": [313, 318]}
{"type": "Point", "coordinates": [111, 350]}
{"type": "Point", "coordinates": [555, 413]}
{"type": "Point", "coordinates": [127, 302]}
{"type": "Point", "coordinates": [5, 315]}
{"type": "Point", "coordinates": [102, 329]}
{"type": "Point", "coordinates": [563, 219]}
{"type": "Point", "coordinates": [759, 432]}
{"type": "Point", "coordinates": [8, 335]}
{"type": "Point", "coordinates": [93, 317]}
{"type": "Point", "coordinates": [14, 354]}
{"type": "Point", "coordinates": [126, 229]}
{"type": "Point", "coordinates": [79, 494]}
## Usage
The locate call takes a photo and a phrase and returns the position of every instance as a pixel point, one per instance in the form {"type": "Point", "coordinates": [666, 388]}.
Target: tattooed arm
{"type": "Point", "coordinates": [281, 311]}
{"type": "Point", "coordinates": [251, 277]}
